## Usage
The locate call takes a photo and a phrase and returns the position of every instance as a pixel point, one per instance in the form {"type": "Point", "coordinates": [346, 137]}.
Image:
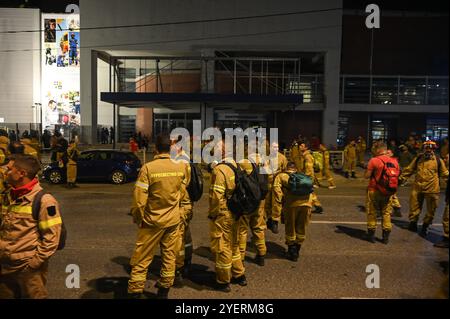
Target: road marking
{"type": "Point", "coordinates": [352, 223]}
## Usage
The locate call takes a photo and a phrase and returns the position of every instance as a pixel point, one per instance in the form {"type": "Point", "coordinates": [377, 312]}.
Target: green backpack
{"type": "Point", "coordinates": [318, 161]}
{"type": "Point", "coordinates": [300, 184]}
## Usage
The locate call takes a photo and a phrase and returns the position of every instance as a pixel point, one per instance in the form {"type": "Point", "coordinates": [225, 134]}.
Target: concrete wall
{"type": "Point", "coordinates": [19, 69]}
{"type": "Point", "coordinates": [315, 32]}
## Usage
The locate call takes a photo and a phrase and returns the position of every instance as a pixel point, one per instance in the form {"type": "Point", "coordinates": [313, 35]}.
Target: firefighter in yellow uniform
{"type": "Point", "coordinates": [28, 149]}
{"type": "Point", "coordinates": [223, 225]}
{"type": "Point", "coordinates": [184, 256]}
{"type": "Point", "coordinates": [428, 168]}
{"type": "Point", "coordinates": [72, 158]}
{"type": "Point", "coordinates": [297, 213]}
{"type": "Point", "coordinates": [350, 159]}
{"type": "Point", "coordinates": [326, 172]}
{"type": "Point", "coordinates": [361, 151]}
{"type": "Point", "coordinates": [308, 170]}
{"type": "Point", "coordinates": [26, 243]}
{"type": "Point", "coordinates": [274, 166]}
{"type": "Point", "coordinates": [296, 156]}
{"type": "Point", "coordinates": [256, 220]}
{"type": "Point", "coordinates": [157, 209]}
{"type": "Point", "coordinates": [4, 143]}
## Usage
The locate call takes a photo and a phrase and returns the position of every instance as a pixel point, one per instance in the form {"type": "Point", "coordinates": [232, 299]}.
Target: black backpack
{"type": "Point", "coordinates": [195, 187]}
{"type": "Point", "coordinates": [263, 180]}
{"type": "Point", "coordinates": [247, 194]}
{"type": "Point", "coordinates": [36, 207]}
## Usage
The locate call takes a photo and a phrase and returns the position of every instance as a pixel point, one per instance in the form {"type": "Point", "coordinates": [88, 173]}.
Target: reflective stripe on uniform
{"type": "Point", "coordinates": [236, 257]}
{"type": "Point", "coordinates": [18, 209]}
{"type": "Point", "coordinates": [224, 266]}
{"type": "Point", "coordinates": [188, 245]}
{"type": "Point", "coordinates": [167, 274]}
{"type": "Point", "coordinates": [168, 174]}
{"type": "Point", "coordinates": [218, 188]}
{"type": "Point", "coordinates": [46, 224]}
{"type": "Point", "coordinates": [290, 237]}
{"type": "Point", "coordinates": [141, 185]}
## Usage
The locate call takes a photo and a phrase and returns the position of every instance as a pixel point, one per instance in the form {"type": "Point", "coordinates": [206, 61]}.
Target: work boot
{"type": "Point", "coordinates": [347, 175]}
{"type": "Point", "coordinates": [269, 223]}
{"type": "Point", "coordinates": [318, 210]}
{"type": "Point", "coordinates": [222, 287]}
{"type": "Point", "coordinates": [163, 293]}
{"type": "Point", "coordinates": [292, 253]}
{"type": "Point", "coordinates": [397, 212]}
{"type": "Point", "coordinates": [423, 231]}
{"type": "Point", "coordinates": [353, 175]}
{"type": "Point", "coordinates": [297, 249]}
{"type": "Point", "coordinates": [274, 227]}
{"type": "Point", "coordinates": [412, 226]}
{"type": "Point", "coordinates": [178, 281]}
{"type": "Point", "coordinates": [386, 234]}
{"type": "Point", "coordinates": [371, 235]}
{"type": "Point", "coordinates": [187, 268]}
{"type": "Point", "coordinates": [443, 243]}
{"type": "Point", "coordinates": [241, 281]}
{"type": "Point", "coordinates": [259, 260]}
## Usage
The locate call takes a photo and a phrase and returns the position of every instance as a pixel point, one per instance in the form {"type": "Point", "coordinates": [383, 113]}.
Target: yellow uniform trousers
{"type": "Point", "coordinates": [315, 200]}
{"type": "Point", "coordinates": [268, 202]}
{"type": "Point", "coordinates": [326, 174]}
{"type": "Point", "coordinates": [71, 173]}
{"type": "Point", "coordinates": [185, 239]}
{"type": "Point", "coordinates": [148, 239]}
{"type": "Point", "coordinates": [257, 223]}
{"type": "Point", "coordinates": [350, 165]}
{"type": "Point", "coordinates": [416, 200]}
{"type": "Point", "coordinates": [296, 220]}
{"type": "Point", "coordinates": [27, 284]}
{"type": "Point", "coordinates": [224, 232]}
{"type": "Point", "coordinates": [377, 202]}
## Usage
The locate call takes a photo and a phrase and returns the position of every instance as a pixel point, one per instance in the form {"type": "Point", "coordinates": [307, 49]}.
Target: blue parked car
{"type": "Point", "coordinates": [114, 166]}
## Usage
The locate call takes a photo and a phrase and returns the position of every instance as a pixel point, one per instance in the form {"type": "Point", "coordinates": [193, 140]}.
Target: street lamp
{"type": "Point", "coordinates": [35, 106]}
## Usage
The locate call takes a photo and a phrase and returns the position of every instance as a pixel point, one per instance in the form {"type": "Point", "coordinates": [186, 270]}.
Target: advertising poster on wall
{"type": "Point", "coordinates": [61, 73]}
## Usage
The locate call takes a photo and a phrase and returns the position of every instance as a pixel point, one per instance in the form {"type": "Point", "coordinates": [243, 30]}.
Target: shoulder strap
{"type": "Point", "coordinates": [36, 205]}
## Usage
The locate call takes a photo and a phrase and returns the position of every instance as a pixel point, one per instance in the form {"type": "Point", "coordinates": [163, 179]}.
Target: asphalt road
{"type": "Point", "coordinates": [332, 263]}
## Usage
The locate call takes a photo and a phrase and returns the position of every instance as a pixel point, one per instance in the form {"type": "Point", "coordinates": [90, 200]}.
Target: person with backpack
{"type": "Point", "coordinates": [224, 224]}
{"type": "Point", "coordinates": [194, 193]}
{"type": "Point", "coordinates": [428, 168]}
{"type": "Point", "coordinates": [308, 170]}
{"type": "Point", "coordinates": [350, 159]}
{"type": "Point", "coordinates": [72, 157]}
{"type": "Point", "coordinates": [27, 242]}
{"type": "Point", "coordinates": [255, 220]}
{"type": "Point", "coordinates": [383, 172]}
{"type": "Point", "coordinates": [157, 208]}
{"type": "Point", "coordinates": [295, 191]}
{"type": "Point", "coordinates": [274, 166]}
